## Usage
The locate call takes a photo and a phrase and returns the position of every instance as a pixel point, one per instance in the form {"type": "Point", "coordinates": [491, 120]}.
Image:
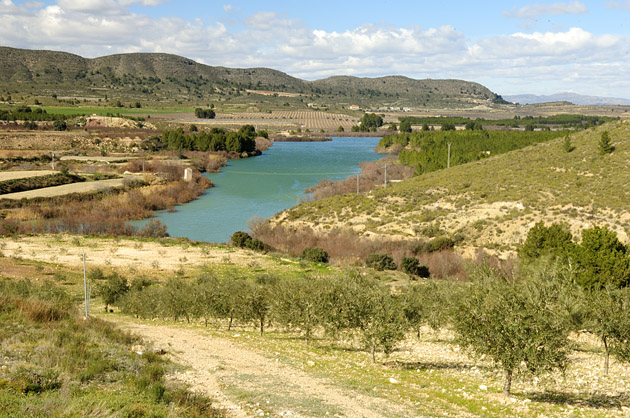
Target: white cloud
{"type": "Point", "coordinates": [537, 9]}
{"type": "Point", "coordinates": [227, 8]}
{"type": "Point", "coordinates": [142, 2]}
{"type": "Point", "coordinates": [625, 5]}
{"type": "Point", "coordinates": [89, 6]}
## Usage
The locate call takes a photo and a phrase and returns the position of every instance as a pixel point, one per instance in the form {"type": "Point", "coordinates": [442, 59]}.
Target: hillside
{"type": "Point", "coordinates": [165, 78]}
{"type": "Point", "coordinates": [491, 203]}
{"type": "Point", "coordinates": [574, 98]}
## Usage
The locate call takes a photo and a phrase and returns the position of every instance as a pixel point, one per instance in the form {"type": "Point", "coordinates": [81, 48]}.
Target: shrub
{"type": "Point", "coordinates": [542, 240]}
{"type": "Point", "coordinates": [60, 125]}
{"type": "Point", "coordinates": [256, 245]}
{"type": "Point", "coordinates": [411, 265]}
{"type": "Point", "coordinates": [240, 238]}
{"type": "Point", "coordinates": [380, 262]}
{"type": "Point", "coordinates": [315, 254]}
{"type": "Point", "coordinates": [441, 243]}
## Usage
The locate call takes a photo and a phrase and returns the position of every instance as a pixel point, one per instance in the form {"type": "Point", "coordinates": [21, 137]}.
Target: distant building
{"type": "Point", "coordinates": [354, 107]}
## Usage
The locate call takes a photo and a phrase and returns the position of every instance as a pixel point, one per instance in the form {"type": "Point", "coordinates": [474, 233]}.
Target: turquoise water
{"type": "Point", "coordinates": [265, 185]}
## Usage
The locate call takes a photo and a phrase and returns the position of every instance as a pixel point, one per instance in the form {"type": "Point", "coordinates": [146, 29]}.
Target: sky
{"type": "Point", "coordinates": [510, 47]}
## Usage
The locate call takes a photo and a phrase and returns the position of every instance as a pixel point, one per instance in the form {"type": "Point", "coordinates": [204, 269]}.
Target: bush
{"type": "Point", "coordinates": [240, 238]}
{"type": "Point", "coordinates": [60, 125]}
{"type": "Point", "coordinates": [380, 262]}
{"type": "Point", "coordinates": [441, 243]}
{"type": "Point", "coordinates": [256, 245]}
{"type": "Point", "coordinates": [542, 240]}
{"type": "Point", "coordinates": [315, 254]}
{"type": "Point", "coordinates": [411, 265]}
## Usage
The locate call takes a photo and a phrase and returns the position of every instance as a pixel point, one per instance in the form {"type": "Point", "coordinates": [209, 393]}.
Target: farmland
{"type": "Point", "coordinates": [280, 374]}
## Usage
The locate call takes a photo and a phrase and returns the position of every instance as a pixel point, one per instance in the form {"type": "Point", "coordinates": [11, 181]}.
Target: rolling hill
{"type": "Point", "coordinates": [574, 98]}
{"type": "Point", "coordinates": [166, 78]}
{"type": "Point", "coordinates": [491, 203]}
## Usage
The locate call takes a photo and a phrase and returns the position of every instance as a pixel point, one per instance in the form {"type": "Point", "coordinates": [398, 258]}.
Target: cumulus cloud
{"type": "Point", "coordinates": [142, 2]}
{"type": "Point", "coordinates": [503, 62]}
{"type": "Point", "coordinates": [537, 9]}
{"type": "Point", "coordinates": [625, 5]}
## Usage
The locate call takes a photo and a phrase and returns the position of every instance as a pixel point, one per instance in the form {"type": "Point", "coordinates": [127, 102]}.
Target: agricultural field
{"type": "Point", "coordinates": [291, 120]}
{"type": "Point", "coordinates": [427, 373]}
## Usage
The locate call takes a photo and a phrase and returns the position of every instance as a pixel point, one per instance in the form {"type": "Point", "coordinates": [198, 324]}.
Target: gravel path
{"type": "Point", "coordinates": [12, 175]}
{"type": "Point", "coordinates": [91, 186]}
{"type": "Point", "coordinates": [220, 367]}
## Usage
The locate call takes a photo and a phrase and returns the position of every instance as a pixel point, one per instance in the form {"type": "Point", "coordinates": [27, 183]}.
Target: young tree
{"type": "Point", "coordinates": [605, 147]}
{"type": "Point", "coordinates": [405, 125]}
{"type": "Point", "coordinates": [566, 144]}
{"type": "Point", "coordinates": [205, 296]}
{"type": "Point", "coordinates": [542, 240]}
{"type": "Point", "coordinates": [608, 317]}
{"type": "Point", "coordinates": [298, 303]}
{"type": "Point", "coordinates": [176, 300]}
{"type": "Point", "coordinates": [231, 302]}
{"type": "Point", "coordinates": [426, 304]}
{"type": "Point", "coordinates": [258, 302]}
{"type": "Point", "coordinates": [514, 322]}
{"type": "Point", "coordinates": [602, 259]}
{"type": "Point", "coordinates": [113, 289]}
{"type": "Point", "coordinates": [358, 304]}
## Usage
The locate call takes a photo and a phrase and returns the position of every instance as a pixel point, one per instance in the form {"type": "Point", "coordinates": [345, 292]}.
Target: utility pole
{"type": "Point", "coordinates": [385, 186]}
{"type": "Point", "coordinates": [448, 162]}
{"type": "Point", "coordinates": [85, 287]}
{"type": "Point", "coordinates": [357, 184]}
{"type": "Point", "coordinates": [53, 160]}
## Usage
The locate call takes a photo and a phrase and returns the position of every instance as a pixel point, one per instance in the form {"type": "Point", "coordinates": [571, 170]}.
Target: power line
{"type": "Point", "coordinates": [263, 173]}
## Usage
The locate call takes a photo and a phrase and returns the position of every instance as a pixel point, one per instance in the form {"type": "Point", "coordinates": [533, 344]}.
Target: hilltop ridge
{"type": "Point", "coordinates": [165, 77]}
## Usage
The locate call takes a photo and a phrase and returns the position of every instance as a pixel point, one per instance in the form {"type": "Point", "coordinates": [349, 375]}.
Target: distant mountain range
{"type": "Point", "coordinates": [577, 99]}
{"type": "Point", "coordinates": [165, 78]}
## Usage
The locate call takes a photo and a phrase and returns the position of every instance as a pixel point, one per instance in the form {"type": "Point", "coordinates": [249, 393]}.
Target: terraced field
{"type": "Point", "coordinates": [312, 120]}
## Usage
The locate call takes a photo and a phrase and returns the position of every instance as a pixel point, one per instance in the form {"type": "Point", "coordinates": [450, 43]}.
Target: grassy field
{"type": "Point", "coordinates": [56, 363]}
{"type": "Point", "coordinates": [104, 110]}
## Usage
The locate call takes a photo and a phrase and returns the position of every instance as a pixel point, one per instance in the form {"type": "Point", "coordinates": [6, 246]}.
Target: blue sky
{"type": "Point", "coordinates": [515, 47]}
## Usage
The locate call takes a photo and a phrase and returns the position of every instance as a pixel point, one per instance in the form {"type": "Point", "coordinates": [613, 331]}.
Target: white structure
{"type": "Point", "coordinates": [188, 174]}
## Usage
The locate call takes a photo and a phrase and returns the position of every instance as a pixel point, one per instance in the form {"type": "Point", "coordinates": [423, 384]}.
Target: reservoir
{"type": "Point", "coordinates": [265, 185]}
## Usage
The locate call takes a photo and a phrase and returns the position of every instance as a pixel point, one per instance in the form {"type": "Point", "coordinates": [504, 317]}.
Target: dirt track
{"type": "Point", "coordinates": [217, 363]}
{"type": "Point", "coordinates": [86, 187]}
{"type": "Point", "coordinates": [12, 175]}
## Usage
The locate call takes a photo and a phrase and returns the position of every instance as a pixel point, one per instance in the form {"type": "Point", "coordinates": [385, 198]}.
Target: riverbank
{"type": "Point", "coordinates": [263, 186]}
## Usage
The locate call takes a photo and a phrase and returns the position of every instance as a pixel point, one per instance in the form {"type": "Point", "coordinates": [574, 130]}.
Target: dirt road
{"type": "Point", "coordinates": [86, 187]}
{"type": "Point", "coordinates": [227, 372]}
{"type": "Point", "coordinates": [22, 174]}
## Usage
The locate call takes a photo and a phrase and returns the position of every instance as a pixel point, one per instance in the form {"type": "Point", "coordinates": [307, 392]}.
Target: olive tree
{"type": "Point", "coordinates": [361, 305]}
{"type": "Point", "coordinates": [515, 322]}
{"type": "Point", "coordinates": [608, 317]}
{"type": "Point", "coordinates": [113, 289]}
{"type": "Point", "coordinates": [298, 303]}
